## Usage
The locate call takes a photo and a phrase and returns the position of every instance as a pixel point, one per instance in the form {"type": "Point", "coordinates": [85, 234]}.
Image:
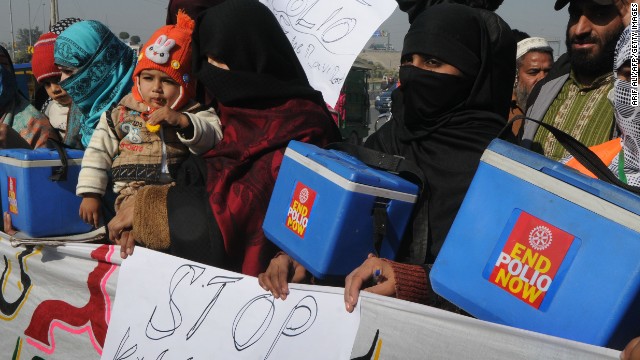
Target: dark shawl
{"type": "Point", "coordinates": [448, 147]}
{"type": "Point", "coordinates": [9, 85]}
{"type": "Point", "coordinates": [414, 7]}
{"type": "Point", "coordinates": [252, 43]}
{"type": "Point", "coordinates": [193, 8]}
{"type": "Point", "coordinates": [264, 101]}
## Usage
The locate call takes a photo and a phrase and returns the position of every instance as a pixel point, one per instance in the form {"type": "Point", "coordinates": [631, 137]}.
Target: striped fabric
{"type": "Point", "coordinates": [584, 112]}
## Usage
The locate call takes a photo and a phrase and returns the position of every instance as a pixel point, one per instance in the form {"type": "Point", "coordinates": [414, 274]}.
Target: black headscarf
{"type": "Point", "coordinates": [5, 52]}
{"type": "Point", "coordinates": [193, 8]}
{"type": "Point", "coordinates": [447, 136]}
{"type": "Point", "coordinates": [8, 84]}
{"type": "Point", "coordinates": [414, 7]}
{"type": "Point", "coordinates": [246, 36]}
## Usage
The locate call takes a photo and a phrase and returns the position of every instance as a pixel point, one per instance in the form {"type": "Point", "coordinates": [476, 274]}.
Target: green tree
{"type": "Point", "coordinates": [135, 40]}
{"type": "Point", "coordinates": [124, 35]}
{"type": "Point", "coordinates": [22, 56]}
{"type": "Point", "coordinates": [22, 45]}
{"type": "Point", "coordinates": [22, 37]}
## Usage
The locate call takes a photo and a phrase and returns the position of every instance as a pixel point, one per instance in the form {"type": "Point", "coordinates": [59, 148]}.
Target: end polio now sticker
{"type": "Point", "coordinates": [530, 258]}
{"type": "Point", "coordinates": [12, 194]}
{"type": "Point", "coordinates": [300, 209]}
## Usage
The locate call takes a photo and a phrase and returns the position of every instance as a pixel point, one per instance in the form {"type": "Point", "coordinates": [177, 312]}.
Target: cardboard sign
{"type": "Point", "coordinates": [191, 311]}
{"type": "Point", "coordinates": [328, 35]}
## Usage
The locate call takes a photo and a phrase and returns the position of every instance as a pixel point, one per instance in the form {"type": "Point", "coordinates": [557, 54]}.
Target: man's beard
{"type": "Point", "coordinates": [522, 94]}
{"type": "Point", "coordinates": [590, 64]}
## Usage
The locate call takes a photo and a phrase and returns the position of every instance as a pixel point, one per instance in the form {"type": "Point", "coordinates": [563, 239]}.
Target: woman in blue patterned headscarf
{"type": "Point", "coordinates": [97, 71]}
{"type": "Point", "coordinates": [21, 125]}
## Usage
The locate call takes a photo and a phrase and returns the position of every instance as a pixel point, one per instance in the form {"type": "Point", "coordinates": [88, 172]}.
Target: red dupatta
{"type": "Point", "coordinates": [243, 167]}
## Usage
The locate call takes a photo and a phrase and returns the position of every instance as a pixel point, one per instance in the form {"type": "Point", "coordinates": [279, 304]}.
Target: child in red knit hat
{"type": "Point", "coordinates": [48, 75]}
{"type": "Point", "coordinates": [151, 132]}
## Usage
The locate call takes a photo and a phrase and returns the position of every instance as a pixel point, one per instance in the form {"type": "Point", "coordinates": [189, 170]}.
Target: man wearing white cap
{"type": "Point", "coordinates": [534, 58]}
{"type": "Point", "coordinates": [573, 97]}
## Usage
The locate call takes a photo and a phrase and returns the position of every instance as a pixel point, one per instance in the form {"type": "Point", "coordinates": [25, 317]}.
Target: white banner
{"type": "Point", "coordinates": [328, 35]}
{"type": "Point", "coordinates": [395, 329]}
{"type": "Point", "coordinates": [56, 303]}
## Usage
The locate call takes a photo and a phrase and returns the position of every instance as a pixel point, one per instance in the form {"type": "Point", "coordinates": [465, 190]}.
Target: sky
{"type": "Point", "coordinates": [142, 17]}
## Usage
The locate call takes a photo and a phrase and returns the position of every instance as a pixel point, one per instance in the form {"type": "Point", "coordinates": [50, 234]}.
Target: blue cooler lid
{"type": "Point", "coordinates": [352, 169]}
{"type": "Point", "coordinates": [609, 192]}
{"type": "Point", "coordinates": [39, 154]}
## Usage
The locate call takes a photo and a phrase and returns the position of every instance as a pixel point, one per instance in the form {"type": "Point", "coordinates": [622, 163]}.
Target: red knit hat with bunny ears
{"type": "Point", "coordinates": [169, 50]}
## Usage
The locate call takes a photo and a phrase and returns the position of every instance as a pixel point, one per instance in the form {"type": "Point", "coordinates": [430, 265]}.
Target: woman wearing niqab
{"type": "Point", "coordinates": [456, 79]}
{"type": "Point", "coordinates": [443, 123]}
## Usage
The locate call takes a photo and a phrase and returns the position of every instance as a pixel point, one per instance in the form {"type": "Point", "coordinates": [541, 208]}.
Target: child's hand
{"type": "Point", "coordinates": [90, 209]}
{"type": "Point", "coordinates": [165, 115]}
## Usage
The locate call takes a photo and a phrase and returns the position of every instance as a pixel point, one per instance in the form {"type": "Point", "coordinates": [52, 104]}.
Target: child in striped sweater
{"type": "Point", "coordinates": [145, 138]}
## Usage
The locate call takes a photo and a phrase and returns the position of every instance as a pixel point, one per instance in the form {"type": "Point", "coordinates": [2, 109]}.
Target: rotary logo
{"type": "Point", "coordinates": [300, 209]}
{"type": "Point", "coordinates": [304, 195]}
{"type": "Point", "coordinates": [540, 237]}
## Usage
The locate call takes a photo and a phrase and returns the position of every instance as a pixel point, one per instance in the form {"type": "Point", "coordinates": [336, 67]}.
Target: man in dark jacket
{"type": "Point", "coordinates": [573, 97]}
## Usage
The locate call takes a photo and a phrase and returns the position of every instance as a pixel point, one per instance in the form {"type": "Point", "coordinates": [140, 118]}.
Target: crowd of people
{"type": "Point", "coordinates": [183, 144]}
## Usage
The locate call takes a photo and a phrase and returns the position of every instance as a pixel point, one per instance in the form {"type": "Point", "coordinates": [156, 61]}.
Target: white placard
{"type": "Point", "coordinates": [171, 308]}
{"type": "Point", "coordinates": [328, 35]}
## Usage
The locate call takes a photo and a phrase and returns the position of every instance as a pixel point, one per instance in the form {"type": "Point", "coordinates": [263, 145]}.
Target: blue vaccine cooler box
{"type": "Point", "coordinates": [322, 208]}
{"type": "Point", "coordinates": [38, 206]}
{"type": "Point", "coordinates": [538, 246]}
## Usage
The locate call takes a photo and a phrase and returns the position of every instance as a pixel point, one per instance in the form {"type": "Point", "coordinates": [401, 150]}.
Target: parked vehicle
{"type": "Point", "coordinates": [382, 119]}
{"type": "Point", "coordinates": [355, 125]}
{"type": "Point", "coordinates": [378, 46]}
{"type": "Point", "coordinates": [383, 101]}
{"type": "Point", "coordinates": [387, 47]}
{"type": "Point", "coordinates": [25, 80]}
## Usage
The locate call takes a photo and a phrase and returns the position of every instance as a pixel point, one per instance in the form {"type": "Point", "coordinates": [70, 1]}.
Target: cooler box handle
{"type": "Point", "coordinates": [59, 174]}
{"type": "Point", "coordinates": [580, 152]}
{"type": "Point", "coordinates": [395, 164]}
